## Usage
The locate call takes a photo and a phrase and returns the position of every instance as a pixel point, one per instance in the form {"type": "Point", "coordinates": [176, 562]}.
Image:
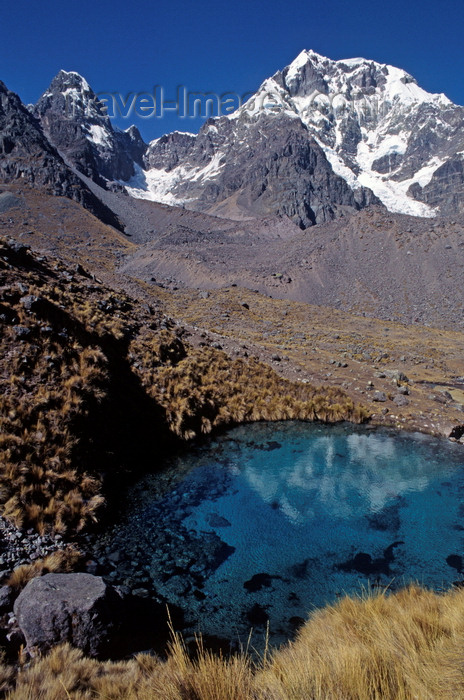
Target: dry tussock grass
{"type": "Point", "coordinates": [207, 390]}
{"type": "Point", "coordinates": [406, 646]}
{"type": "Point", "coordinates": [61, 561]}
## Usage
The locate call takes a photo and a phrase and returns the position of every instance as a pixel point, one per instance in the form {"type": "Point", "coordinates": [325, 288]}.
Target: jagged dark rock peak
{"type": "Point", "coordinates": [75, 122]}
{"type": "Point", "coordinates": [133, 143]}
{"type": "Point", "coordinates": [170, 150]}
{"type": "Point", "coordinates": [27, 155]}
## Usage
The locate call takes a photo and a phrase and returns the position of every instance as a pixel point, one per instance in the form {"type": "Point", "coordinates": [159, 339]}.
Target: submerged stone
{"type": "Point", "coordinates": [216, 520]}
{"type": "Point", "coordinates": [257, 615]}
{"type": "Point", "coordinates": [455, 561]}
{"type": "Point", "coordinates": [257, 582]}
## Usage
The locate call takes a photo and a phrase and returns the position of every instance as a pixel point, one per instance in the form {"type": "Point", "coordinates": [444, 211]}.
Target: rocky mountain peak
{"type": "Point", "coordinates": [76, 123]}
{"type": "Point", "coordinates": [27, 156]}
{"type": "Point", "coordinates": [133, 143]}
{"type": "Point", "coordinates": [67, 80]}
{"type": "Point", "coordinates": [380, 132]}
{"type": "Point", "coordinates": [376, 125]}
{"type": "Point", "coordinates": [374, 135]}
{"type": "Point", "coordinates": [71, 95]}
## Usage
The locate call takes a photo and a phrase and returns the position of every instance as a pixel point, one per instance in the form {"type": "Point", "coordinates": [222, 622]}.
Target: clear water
{"type": "Point", "coordinates": [272, 520]}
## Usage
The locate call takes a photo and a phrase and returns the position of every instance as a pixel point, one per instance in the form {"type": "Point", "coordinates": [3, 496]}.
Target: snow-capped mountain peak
{"type": "Point", "coordinates": [366, 117]}
{"type": "Point", "coordinates": [71, 86]}
{"type": "Point", "coordinates": [317, 137]}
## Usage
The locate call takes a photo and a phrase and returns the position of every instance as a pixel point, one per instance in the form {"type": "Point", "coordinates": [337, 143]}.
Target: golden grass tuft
{"type": "Point", "coordinates": [400, 646]}
{"type": "Point", "coordinates": [208, 390]}
{"type": "Point", "coordinates": [61, 561]}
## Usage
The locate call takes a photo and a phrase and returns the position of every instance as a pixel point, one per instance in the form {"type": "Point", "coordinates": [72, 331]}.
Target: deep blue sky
{"type": "Point", "coordinates": [210, 46]}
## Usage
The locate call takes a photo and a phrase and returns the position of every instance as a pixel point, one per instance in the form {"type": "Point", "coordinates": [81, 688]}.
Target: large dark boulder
{"type": "Point", "coordinates": [77, 608]}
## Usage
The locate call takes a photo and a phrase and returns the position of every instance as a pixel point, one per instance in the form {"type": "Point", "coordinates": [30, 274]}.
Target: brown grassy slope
{"type": "Point", "coordinates": [92, 383]}
{"type": "Point", "coordinates": [406, 646]}
{"type": "Point", "coordinates": [315, 338]}
{"type": "Point", "coordinates": [324, 345]}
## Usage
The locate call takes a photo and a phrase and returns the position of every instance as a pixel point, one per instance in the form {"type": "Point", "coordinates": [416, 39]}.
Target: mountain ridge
{"type": "Point", "coordinates": [28, 156]}
{"type": "Point", "coordinates": [371, 134]}
{"type": "Point", "coordinates": [378, 129]}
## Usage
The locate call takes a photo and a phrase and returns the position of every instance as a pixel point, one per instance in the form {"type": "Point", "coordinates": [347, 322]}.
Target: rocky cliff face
{"type": "Point", "coordinates": [26, 155]}
{"type": "Point", "coordinates": [445, 191]}
{"type": "Point", "coordinates": [277, 169]}
{"type": "Point", "coordinates": [75, 122]}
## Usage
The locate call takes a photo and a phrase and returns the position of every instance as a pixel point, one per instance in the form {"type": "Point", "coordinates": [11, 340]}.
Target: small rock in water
{"type": "Point", "coordinates": [257, 615]}
{"type": "Point", "coordinates": [257, 582]}
{"type": "Point", "coordinates": [115, 557]}
{"type": "Point", "coordinates": [455, 561]}
{"type": "Point", "coordinates": [296, 622]}
{"type": "Point", "coordinates": [140, 592]}
{"type": "Point", "coordinates": [216, 520]}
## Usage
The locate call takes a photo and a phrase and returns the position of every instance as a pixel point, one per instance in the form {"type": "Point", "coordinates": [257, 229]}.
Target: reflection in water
{"type": "Point", "coordinates": [274, 519]}
{"type": "Point", "coordinates": [365, 476]}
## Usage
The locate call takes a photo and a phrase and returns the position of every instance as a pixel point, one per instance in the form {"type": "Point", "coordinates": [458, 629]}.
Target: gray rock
{"type": "Point", "coordinates": [437, 398]}
{"type": "Point", "coordinates": [115, 557]}
{"type": "Point", "coordinates": [77, 608]}
{"type": "Point", "coordinates": [397, 375]}
{"type": "Point", "coordinates": [29, 302]}
{"type": "Point", "coordinates": [379, 396]}
{"type": "Point", "coordinates": [21, 332]}
{"type": "Point", "coordinates": [400, 400]}
{"type": "Point", "coordinates": [6, 599]}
